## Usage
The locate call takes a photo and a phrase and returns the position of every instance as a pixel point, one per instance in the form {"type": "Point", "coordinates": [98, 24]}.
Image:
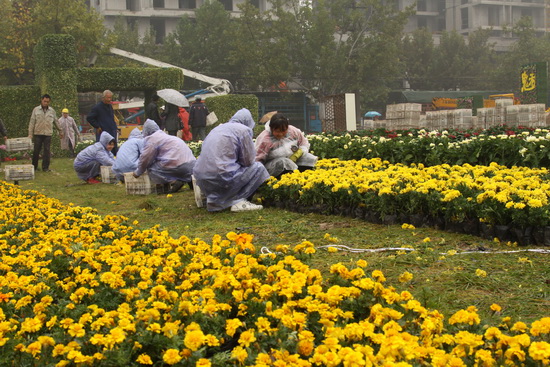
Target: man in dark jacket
{"type": "Point", "coordinates": [197, 119]}
{"type": "Point", "coordinates": [152, 111]}
{"type": "Point", "coordinates": [102, 118]}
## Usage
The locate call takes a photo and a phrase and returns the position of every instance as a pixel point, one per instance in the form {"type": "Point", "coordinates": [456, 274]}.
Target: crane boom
{"type": "Point", "coordinates": [217, 86]}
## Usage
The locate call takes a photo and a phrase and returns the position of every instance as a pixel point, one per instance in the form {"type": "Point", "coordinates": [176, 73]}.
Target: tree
{"type": "Point", "coordinates": [529, 48]}
{"type": "Point", "coordinates": [202, 44]}
{"type": "Point", "coordinates": [25, 21]}
{"type": "Point", "coordinates": [70, 17]}
{"type": "Point", "coordinates": [417, 53]}
{"type": "Point", "coordinates": [450, 66]}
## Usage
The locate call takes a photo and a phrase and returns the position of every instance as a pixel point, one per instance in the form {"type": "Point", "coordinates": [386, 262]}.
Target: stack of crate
{"type": "Point", "coordinates": [485, 118]}
{"type": "Point", "coordinates": [500, 109]}
{"type": "Point", "coordinates": [513, 113]}
{"type": "Point", "coordinates": [403, 115]}
{"type": "Point", "coordinates": [461, 119]}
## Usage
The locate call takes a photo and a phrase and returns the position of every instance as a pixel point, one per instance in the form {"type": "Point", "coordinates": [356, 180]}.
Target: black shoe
{"type": "Point", "coordinates": [176, 186]}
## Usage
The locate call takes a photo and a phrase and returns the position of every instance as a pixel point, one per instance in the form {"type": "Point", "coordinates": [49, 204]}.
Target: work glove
{"type": "Point", "coordinates": [297, 154]}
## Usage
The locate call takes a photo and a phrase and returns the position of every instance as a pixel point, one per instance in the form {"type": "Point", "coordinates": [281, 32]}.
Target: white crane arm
{"type": "Point", "coordinates": [217, 86]}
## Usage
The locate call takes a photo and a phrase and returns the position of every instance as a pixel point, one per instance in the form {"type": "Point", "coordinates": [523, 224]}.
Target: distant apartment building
{"type": "Point", "coordinates": [467, 16]}
{"type": "Point", "coordinates": [160, 15]}
{"type": "Point", "coordinates": [463, 16]}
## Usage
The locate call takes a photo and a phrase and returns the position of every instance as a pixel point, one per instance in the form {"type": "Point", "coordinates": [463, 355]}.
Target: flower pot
{"type": "Point", "coordinates": [487, 231]}
{"type": "Point", "coordinates": [541, 235]}
{"type": "Point", "coordinates": [502, 232]}
{"type": "Point", "coordinates": [455, 227]}
{"type": "Point", "coordinates": [471, 227]}
{"type": "Point", "coordinates": [390, 219]}
{"type": "Point", "coordinates": [417, 220]}
{"type": "Point", "coordinates": [523, 235]}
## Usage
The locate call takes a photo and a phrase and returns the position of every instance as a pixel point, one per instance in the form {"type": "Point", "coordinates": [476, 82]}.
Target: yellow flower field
{"type": "Point", "coordinates": [80, 289]}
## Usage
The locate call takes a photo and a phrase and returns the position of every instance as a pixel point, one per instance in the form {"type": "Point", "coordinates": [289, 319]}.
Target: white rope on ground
{"type": "Point", "coordinates": [350, 249]}
{"type": "Point", "coordinates": [264, 250]}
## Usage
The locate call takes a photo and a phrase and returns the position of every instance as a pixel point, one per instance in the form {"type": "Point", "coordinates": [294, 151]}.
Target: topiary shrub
{"type": "Point", "coordinates": [16, 107]}
{"type": "Point", "coordinates": [226, 106]}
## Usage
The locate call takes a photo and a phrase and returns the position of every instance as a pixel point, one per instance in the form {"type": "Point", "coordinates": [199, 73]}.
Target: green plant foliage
{"type": "Point", "coordinates": [15, 109]}
{"type": "Point", "coordinates": [55, 59]}
{"type": "Point", "coordinates": [226, 106]}
{"type": "Point", "coordinates": [99, 79]}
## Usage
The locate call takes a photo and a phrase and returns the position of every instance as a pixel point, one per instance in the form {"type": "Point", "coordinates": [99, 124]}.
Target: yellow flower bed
{"type": "Point", "coordinates": [80, 289]}
{"type": "Point", "coordinates": [494, 194]}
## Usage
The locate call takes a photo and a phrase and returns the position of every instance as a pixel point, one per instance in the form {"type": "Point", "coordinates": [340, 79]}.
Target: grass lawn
{"type": "Point", "coordinates": [519, 282]}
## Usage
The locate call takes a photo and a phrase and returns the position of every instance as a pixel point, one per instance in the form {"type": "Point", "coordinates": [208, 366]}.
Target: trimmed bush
{"type": "Point", "coordinates": [16, 107]}
{"type": "Point", "coordinates": [226, 106]}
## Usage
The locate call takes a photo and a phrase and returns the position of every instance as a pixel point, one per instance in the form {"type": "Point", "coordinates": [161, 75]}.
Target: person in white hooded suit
{"type": "Point", "coordinates": [167, 159]}
{"type": "Point", "coordinates": [226, 170]}
{"type": "Point", "coordinates": [128, 155]}
{"type": "Point", "coordinates": [88, 162]}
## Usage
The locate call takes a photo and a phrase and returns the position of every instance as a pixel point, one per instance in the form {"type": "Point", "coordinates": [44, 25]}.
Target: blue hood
{"type": "Point", "coordinates": [150, 127]}
{"type": "Point", "coordinates": [105, 138]}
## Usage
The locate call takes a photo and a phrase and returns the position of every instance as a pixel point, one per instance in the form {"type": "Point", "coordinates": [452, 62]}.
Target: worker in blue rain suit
{"type": "Point", "coordinates": [167, 159]}
{"type": "Point", "coordinates": [128, 154]}
{"type": "Point", "coordinates": [226, 170]}
{"type": "Point", "coordinates": [88, 162]}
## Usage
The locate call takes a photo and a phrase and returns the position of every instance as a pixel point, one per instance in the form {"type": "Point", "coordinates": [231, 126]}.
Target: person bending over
{"type": "Point", "coordinates": [166, 158]}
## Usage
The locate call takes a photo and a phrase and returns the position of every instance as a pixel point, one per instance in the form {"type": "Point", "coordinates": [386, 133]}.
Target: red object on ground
{"type": "Point", "coordinates": [186, 131]}
{"type": "Point", "coordinates": [92, 181]}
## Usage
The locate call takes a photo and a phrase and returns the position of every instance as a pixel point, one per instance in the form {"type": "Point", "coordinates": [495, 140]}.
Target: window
{"type": "Point", "coordinates": [158, 4]}
{"type": "Point", "coordinates": [526, 13]}
{"type": "Point", "coordinates": [187, 4]}
{"type": "Point", "coordinates": [494, 16]}
{"type": "Point", "coordinates": [159, 27]}
{"type": "Point", "coordinates": [464, 17]}
{"type": "Point", "coordinates": [421, 5]}
{"type": "Point", "coordinates": [255, 3]}
{"type": "Point", "coordinates": [228, 4]}
{"type": "Point", "coordinates": [132, 5]}
{"type": "Point", "coordinates": [422, 22]}
{"type": "Point", "coordinates": [464, 2]}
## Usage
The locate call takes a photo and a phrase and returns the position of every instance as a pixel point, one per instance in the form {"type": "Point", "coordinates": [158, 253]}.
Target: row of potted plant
{"type": "Point", "coordinates": [446, 196]}
{"type": "Point", "coordinates": [78, 289]}
{"type": "Point", "coordinates": [530, 148]}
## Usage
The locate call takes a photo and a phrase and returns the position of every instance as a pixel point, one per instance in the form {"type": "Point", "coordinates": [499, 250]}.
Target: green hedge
{"type": "Point", "coordinates": [16, 107]}
{"type": "Point", "coordinates": [99, 79]}
{"type": "Point", "coordinates": [226, 106]}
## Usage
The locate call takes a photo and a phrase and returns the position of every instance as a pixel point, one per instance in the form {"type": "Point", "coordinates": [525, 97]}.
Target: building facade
{"type": "Point", "coordinates": [160, 15]}
{"type": "Point", "coordinates": [467, 16]}
{"type": "Point", "coordinates": [463, 16]}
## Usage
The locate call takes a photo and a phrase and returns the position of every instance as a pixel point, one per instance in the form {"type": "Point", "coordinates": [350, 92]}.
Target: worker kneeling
{"type": "Point", "coordinates": [127, 157]}
{"type": "Point", "coordinates": [226, 170]}
{"type": "Point", "coordinates": [167, 159]}
{"type": "Point", "coordinates": [88, 162]}
{"type": "Point", "coordinates": [283, 148]}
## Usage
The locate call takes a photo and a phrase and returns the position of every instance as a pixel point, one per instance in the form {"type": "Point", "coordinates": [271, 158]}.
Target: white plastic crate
{"type": "Point", "coordinates": [107, 174]}
{"type": "Point", "coordinates": [138, 186]}
{"type": "Point", "coordinates": [18, 172]}
{"type": "Point", "coordinates": [19, 144]}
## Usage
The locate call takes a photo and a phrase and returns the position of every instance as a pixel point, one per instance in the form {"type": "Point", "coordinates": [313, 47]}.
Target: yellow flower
{"type": "Point", "coordinates": [496, 308]}
{"type": "Point", "coordinates": [203, 362]}
{"type": "Point", "coordinates": [405, 277]}
{"type": "Point", "coordinates": [481, 273]}
{"type": "Point", "coordinates": [171, 356]}
{"type": "Point", "coordinates": [247, 337]}
{"type": "Point", "coordinates": [144, 359]}
{"type": "Point", "coordinates": [194, 339]}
